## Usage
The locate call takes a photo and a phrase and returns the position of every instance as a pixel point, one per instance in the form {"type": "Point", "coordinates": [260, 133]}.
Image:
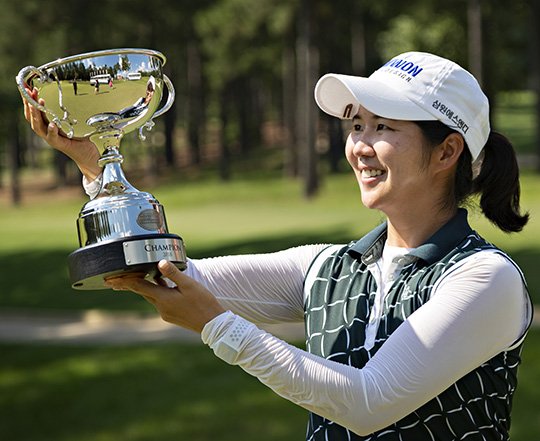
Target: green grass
{"type": "Point", "coordinates": [152, 393]}
{"type": "Point", "coordinates": [515, 118]}
{"type": "Point", "coordinates": [244, 216]}
{"type": "Point", "coordinates": [169, 391]}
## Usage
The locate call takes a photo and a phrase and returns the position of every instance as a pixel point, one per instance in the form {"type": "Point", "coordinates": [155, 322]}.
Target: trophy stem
{"type": "Point", "coordinates": [114, 181]}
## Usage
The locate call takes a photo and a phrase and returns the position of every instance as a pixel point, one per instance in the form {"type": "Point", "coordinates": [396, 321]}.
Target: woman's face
{"type": "Point", "coordinates": [387, 158]}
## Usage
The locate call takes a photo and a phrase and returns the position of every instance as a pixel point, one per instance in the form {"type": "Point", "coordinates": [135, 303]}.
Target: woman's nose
{"type": "Point", "coordinates": [362, 147]}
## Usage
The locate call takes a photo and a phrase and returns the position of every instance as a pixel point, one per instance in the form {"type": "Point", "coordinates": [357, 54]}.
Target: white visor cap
{"type": "Point", "coordinates": [413, 86]}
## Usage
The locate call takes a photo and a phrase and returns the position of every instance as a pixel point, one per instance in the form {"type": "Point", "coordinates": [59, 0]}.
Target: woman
{"type": "Point", "coordinates": [413, 332]}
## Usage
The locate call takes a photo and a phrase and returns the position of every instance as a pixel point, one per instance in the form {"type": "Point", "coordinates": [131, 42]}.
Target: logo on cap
{"type": "Point", "coordinates": [451, 115]}
{"type": "Point", "coordinates": [405, 66]}
{"type": "Point", "coordinates": [347, 111]}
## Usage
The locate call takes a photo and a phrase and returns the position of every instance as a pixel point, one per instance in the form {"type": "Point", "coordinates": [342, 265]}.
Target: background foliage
{"type": "Point", "coordinates": [240, 67]}
{"type": "Point", "coordinates": [243, 123]}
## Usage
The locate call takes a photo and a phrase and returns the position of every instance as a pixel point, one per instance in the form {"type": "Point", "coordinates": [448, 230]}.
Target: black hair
{"type": "Point", "coordinates": [497, 183]}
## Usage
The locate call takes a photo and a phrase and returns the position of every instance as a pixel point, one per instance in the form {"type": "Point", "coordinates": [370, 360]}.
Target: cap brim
{"type": "Point", "coordinates": [336, 93]}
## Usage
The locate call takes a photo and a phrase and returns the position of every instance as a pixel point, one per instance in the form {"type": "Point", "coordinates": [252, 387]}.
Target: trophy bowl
{"type": "Point", "coordinates": [102, 96]}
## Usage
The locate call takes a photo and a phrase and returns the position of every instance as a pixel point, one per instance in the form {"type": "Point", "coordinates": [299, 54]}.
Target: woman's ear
{"type": "Point", "coordinates": [447, 153]}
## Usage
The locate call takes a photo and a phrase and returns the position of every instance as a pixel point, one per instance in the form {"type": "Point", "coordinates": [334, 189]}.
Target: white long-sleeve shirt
{"type": "Point", "coordinates": [476, 311]}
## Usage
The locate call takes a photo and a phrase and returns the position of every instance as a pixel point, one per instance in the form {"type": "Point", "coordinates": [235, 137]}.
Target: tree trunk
{"type": "Point", "coordinates": [170, 123]}
{"type": "Point", "coordinates": [249, 113]}
{"type": "Point", "coordinates": [61, 162]}
{"type": "Point", "coordinates": [14, 163]}
{"type": "Point", "coordinates": [306, 63]}
{"type": "Point", "coordinates": [194, 102]}
{"type": "Point", "coordinates": [290, 159]}
{"type": "Point", "coordinates": [474, 22]}
{"type": "Point", "coordinates": [335, 150]}
{"type": "Point", "coordinates": [224, 150]}
{"type": "Point", "coordinates": [358, 41]}
{"type": "Point", "coordinates": [243, 93]}
{"type": "Point", "coordinates": [535, 68]}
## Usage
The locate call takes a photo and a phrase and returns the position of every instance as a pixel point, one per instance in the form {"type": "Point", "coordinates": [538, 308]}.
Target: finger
{"type": "Point", "coordinates": [55, 139]}
{"type": "Point", "coordinates": [26, 105]}
{"type": "Point", "coordinates": [161, 281]}
{"type": "Point", "coordinates": [116, 284]}
{"type": "Point", "coordinates": [149, 300]}
{"type": "Point", "coordinates": [148, 290]}
{"type": "Point", "coordinates": [171, 272]}
{"type": "Point", "coordinates": [119, 280]}
{"type": "Point", "coordinates": [52, 136]}
{"type": "Point", "coordinates": [113, 278]}
{"type": "Point", "coordinates": [37, 120]}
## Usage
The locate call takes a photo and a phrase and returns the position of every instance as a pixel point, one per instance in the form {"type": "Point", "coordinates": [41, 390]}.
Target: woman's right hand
{"type": "Point", "coordinates": [82, 151]}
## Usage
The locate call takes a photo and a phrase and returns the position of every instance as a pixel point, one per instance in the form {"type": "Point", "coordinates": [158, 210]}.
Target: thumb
{"type": "Point", "coordinates": [52, 129]}
{"type": "Point", "coordinates": [171, 272]}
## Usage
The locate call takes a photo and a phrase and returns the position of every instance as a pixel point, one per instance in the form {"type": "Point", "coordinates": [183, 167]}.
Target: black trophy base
{"type": "Point", "coordinates": [91, 265]}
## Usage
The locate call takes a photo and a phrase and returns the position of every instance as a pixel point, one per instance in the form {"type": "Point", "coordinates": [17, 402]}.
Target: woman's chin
{"type": "Point", "coordinates": [369, 203]}
{"type": "Point", "coordinates": [369, 199]}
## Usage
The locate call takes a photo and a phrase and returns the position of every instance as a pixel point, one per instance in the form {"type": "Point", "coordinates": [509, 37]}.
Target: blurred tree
{"type": "Point", "coordinates": [307, 68]}
{"type": "Point", "coordinates": [535, 68]}
{"type": "Point", "coordinates": [426, 26]}
{"type": "Point", "coordinates": [243, 46]}
{"type": "Point", "coordinates": [176, 36]}
{"type": "Point", "coordinates": [474, 34]}
{"type": "Point", "coordinates": [21, 24]}
{"type": "Point", "coordinates": [238, 63]}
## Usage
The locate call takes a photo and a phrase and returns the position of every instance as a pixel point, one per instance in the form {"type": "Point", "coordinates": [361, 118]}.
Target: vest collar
{"type": "Point", "coordinates": [369, 248]}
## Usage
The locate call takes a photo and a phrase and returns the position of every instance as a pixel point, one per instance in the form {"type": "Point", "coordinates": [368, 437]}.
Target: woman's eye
{"type": "Point", "coordinates": [383, 127]}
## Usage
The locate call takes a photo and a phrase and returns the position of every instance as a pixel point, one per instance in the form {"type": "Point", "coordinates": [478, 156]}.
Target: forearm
{"type": "Point", "coordinates": [265, 288]}
{"type": "Point", "coordinates": [332, 390]}
{"type": "Point", "coordinates": [89, 168]}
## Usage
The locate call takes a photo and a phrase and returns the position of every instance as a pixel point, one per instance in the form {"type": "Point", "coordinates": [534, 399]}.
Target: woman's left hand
{"type": "Point", "coordinates": [189, 304]}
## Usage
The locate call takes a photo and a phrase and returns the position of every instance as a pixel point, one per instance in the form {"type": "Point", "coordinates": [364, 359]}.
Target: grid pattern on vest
{"type": "Point", "coordinates": [337, 311]}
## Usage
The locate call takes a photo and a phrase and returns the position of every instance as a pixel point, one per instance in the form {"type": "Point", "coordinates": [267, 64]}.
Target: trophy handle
{"type": "Point", "coordinates": [21, 84]}
{"type": "Point", "coordinates": [170, 100]}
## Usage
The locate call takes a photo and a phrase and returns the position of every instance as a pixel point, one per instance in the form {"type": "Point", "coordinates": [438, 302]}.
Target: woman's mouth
{"type": "Point", "coordinates": [371, 173]}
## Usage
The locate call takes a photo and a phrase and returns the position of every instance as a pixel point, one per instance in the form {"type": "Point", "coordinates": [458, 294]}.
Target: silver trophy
{"type": "Point", "coordinates": [103, 95]}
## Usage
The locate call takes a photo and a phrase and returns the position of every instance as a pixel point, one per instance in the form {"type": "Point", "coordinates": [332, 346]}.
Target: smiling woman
{"type": "Point", "coordinates": [400, 341]}
{"type": "Point", "coordinates": [386, 156]}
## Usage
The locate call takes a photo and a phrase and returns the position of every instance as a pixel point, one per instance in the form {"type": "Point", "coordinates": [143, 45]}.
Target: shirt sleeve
{"type": "Point", "coordinates": [264, 288]}
{"type": "Point", "coordinates": [442, 341]}
{"type": "Point", "coordinates": [92, 187]}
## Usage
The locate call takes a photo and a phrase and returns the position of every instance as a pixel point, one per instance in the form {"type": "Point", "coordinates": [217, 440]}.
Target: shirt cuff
{"type": "Point", "coordinates": [227, 335]}
{"type": "Point", "coordinates": [92, 188]}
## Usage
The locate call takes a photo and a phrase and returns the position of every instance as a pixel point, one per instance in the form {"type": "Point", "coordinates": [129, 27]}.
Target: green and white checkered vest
{"type": "Point", "coordinates": [337, 310]}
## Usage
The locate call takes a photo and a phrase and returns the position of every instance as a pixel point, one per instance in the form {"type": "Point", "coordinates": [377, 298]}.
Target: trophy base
{"type": "Point", "coordinates": [91, 265]}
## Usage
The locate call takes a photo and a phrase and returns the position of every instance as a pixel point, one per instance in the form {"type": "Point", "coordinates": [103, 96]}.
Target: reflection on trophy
{"type": "Point", "coordinates": [104, 95]}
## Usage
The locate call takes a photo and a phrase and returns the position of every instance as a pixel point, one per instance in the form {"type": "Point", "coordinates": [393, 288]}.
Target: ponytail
{"type": "Point", "coordinates": [498, 185]}
{"type": "Point", "coordinates": [496, 182]}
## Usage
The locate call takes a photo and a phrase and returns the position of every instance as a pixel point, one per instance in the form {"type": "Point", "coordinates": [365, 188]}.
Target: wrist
{"type": "Point", "coordinates": [86, 157]}
{"type": "Point", "coordinates": [227, 335]}
{"type": "Point", "coordinates": [210, 317]}
{"type": "Point", "coordinates": [90, 173]}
